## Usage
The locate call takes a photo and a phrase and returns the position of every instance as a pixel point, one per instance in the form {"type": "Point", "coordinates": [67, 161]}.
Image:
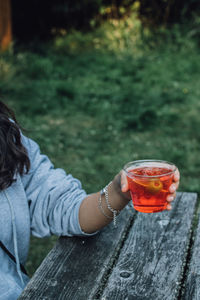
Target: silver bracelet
{"type": "Point", "coordinates": [114, 211]}
{"type": "Point", "coordinates": [102, 210]}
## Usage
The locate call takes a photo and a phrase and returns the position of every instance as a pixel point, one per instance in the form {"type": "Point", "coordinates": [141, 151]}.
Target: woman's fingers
{"type": "Point", "coordinates": [172, 189]}
{"type": "Point", "coordinates": [124, 182]}
{"type": "Point", "coordinates": [171, 197]}
{"type": "Point", "coordinates": [176, 175]}
{"type": "Point", "coordinates": [174, 186]}
{"type": "Point", "coordinates": [169, 207]}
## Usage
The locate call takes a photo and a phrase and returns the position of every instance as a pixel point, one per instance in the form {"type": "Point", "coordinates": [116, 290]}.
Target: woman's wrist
{"type": "Point", "coordinates": [96, 211]}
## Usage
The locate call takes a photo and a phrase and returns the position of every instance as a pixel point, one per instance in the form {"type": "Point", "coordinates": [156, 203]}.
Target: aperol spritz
{"type": "Point", "coordinates": [149, 182]}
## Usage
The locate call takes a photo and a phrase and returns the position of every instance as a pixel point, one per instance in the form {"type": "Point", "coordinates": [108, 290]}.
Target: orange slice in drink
{"type": "Point", "coordinates": [155, 186]}
{"type": "Point", "coordinates": [152, 186]}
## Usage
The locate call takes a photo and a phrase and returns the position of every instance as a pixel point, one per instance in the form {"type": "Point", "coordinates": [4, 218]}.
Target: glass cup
{"type": "Point", "coordinates": [149, 182]}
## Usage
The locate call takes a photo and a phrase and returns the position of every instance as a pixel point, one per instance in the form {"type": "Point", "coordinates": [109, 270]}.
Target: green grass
{"type": "Point", "coordinates": [92, 111]}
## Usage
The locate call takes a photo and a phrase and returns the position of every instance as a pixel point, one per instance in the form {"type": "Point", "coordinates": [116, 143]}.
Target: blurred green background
{"type": "Point", "coordinates": [101, 83]}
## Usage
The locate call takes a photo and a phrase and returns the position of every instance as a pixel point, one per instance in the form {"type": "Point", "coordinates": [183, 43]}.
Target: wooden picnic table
{"type": "Point", "coordinates": [148, 256]}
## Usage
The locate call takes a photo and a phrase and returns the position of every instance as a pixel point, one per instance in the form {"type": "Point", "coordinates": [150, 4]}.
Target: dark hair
{"type": "Point", "coordinates": [13, 155]}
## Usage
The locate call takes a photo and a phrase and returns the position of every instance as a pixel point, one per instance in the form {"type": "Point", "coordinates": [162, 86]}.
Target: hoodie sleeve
{"type": "Point", "coordinates": [54, 197]}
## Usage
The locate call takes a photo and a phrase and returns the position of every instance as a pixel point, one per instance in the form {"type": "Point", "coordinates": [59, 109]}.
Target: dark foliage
{"type": "Point", "coordinates": [40, 19]}
{"type": "Point", "coordinates": [36, 19]}
{"type": "Point", "coordinates": [162, 12]}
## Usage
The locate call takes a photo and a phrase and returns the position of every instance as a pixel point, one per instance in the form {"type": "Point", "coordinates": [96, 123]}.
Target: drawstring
{"type": "Point", "coordinates": [15, 238]}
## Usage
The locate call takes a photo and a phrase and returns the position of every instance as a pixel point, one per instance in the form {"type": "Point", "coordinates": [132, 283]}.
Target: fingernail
{"type": "Point", "coordinates": [173, 188]}
{"type": "Point", "coordinates": [123, 186]}
{"type": "Point", "coordinates": [177, 177]}
{"type": "Point", "coordinates": [171, 198]}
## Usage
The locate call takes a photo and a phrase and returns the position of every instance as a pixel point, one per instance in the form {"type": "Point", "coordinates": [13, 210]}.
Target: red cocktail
{"type": "Point", "coordinates": [149, 182]}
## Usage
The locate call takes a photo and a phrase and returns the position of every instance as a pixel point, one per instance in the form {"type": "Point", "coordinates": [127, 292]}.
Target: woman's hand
{"type": "Point", "coordinates": [172, 188]}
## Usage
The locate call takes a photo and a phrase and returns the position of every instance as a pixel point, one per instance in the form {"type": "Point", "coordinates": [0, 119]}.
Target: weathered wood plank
{"type": "Point", "coordinates": [75, 267]}
{"type": "Point", "coordinates": [192, 286]}
{"type": "Point", "coordinates": [151, 261]}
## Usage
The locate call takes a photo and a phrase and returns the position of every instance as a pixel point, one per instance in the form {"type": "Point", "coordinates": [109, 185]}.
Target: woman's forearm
{"type": "Point", "coordinates": [91, 217]}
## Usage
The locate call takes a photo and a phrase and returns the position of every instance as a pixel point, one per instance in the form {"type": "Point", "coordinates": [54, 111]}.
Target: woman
{"type": "Point", "coordinates": [38, 199]}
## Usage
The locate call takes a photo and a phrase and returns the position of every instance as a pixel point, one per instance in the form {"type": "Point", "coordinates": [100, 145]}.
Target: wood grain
{"type": "Point", "coordinates": [151, 261]}
{"type": "Point", "coordinates": [192, 286]}
{"type": "Point", "coordinates": [77, 267]}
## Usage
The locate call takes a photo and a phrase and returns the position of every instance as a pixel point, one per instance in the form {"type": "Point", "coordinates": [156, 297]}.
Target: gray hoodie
{"type": "Point", "coordinates": [43, 202]}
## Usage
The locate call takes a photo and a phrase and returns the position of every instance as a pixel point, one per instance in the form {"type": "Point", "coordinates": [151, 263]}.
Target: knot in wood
{"type": "Point", "coordinates": [125, 274]}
